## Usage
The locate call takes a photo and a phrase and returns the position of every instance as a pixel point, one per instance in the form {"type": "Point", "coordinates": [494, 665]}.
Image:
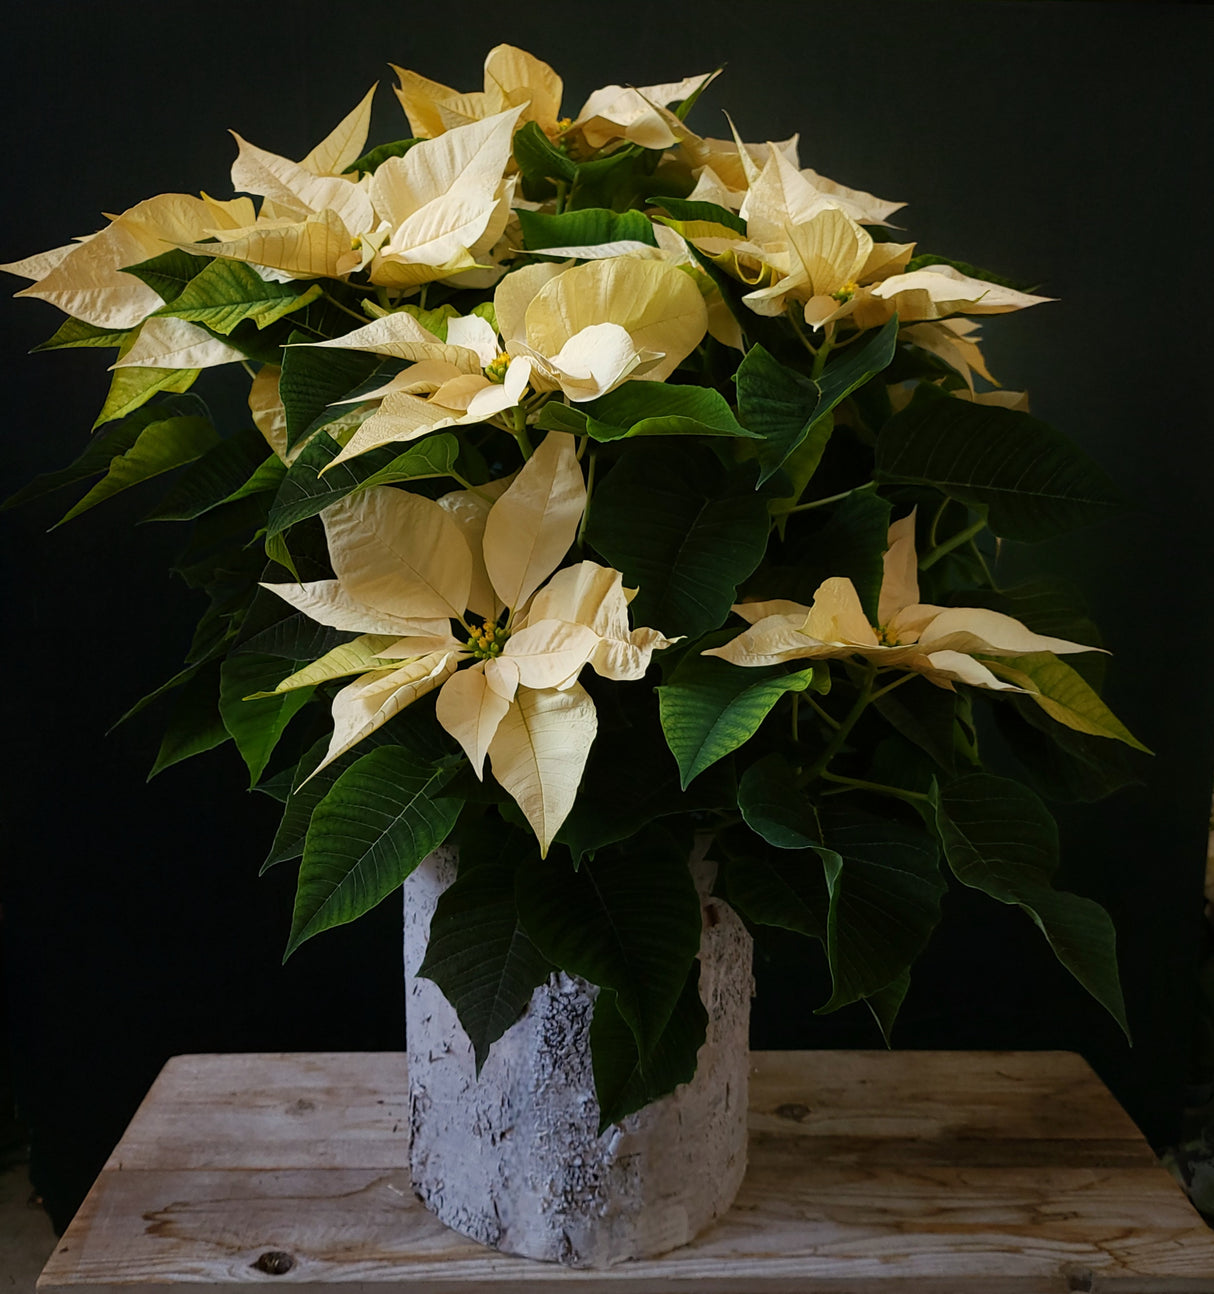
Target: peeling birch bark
{"type": "Point", "coordinates": [513, 1159]}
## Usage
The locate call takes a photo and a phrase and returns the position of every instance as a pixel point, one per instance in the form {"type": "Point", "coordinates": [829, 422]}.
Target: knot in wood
{"type": "Point", "coordinates": [795, 1111]}
{"type": "Point", "coordinates": [274, 1262]}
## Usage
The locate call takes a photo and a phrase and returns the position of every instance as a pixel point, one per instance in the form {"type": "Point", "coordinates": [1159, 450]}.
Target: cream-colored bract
{"type": "Point", "coordinates": [940, 643]}
{"type": "Point", "coordinates": [580, 330]}
{"type": "Point", "coordinates": [407, 567]}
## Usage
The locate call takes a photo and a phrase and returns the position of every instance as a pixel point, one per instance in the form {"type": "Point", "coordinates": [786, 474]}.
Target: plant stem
{"type": "Point", "coordinates": [889, 687]}
{"type": "Point", "coordinates": [818, 503]}
{"type": "Point", "coordinates": [796, 701]}
{"type": "Point", "coordinates": [986, 570]}
{"type": "Point", "coordinates": [821, 712]}
{"type": "Point", "coordinates": [863, 696]}
{"type": "Point", "coordinates": [931, 534]}
{"type": "Point", "coordinates": [797, 327]}
{"type": "Point", "coordinates": [333, 301]}
{"type": "Point", "coordinates": [858, 784]}
{"type": "Point", "coordinates": [518, 416]}
{"type": "Point", "coordinates": [562, 190]}
{"type": "Point", "coordinates": [828, 344]}
{"type": "Point", "coordinates": [467, 485]}
{"type": "Point", "coordinates": [929, 560]}
{"type": "Point", "coordinates": [581, 530]}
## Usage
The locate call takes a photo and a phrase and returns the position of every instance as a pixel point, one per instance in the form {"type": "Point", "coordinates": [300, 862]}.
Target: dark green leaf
{"type": "Point", "coordinates": [628, 920]}
{"type": "Point", "coordinates": [433, 456]}
{"type": "Point", "coordinates": [538, 159]}
{"type": "Point", "coordinates": [682, 212]}
{"type": "Point", "coordinates": [221, 473]}
{"type": "Point", "coordinates": [160, 447]}
{"type": "Point", "coordinates": [999, 838]}
{"type": "Point", "coordinates": [710, 707]}
{"type": "Point", "coordinates": [620, 1084]}
{"type": "Point", "coordinates": [305, 493]}
{"type": "Point", "coordinates": [775, 807]}
{"type": "Point", "coordinates": [256, 726]}
{"type": "Point", "coordinates": [885, 890]}
{"type": "Point", "coordinates": [226, 292]}
{"type": "Point", "coordinates": [195, 725]}
{"type": "Point", "coordinates": [659, 409]}
{"type": "Point", "coordinates": [381, 817]}
{"type": "Point", "coordinates": [1035, 482]}
{"type": "Point", "coordinates": [169, 273]}
{"type": "Point", "coordinates": [295, 637]}
{"type": "Point", "coordinates": [789, 409]}
{"type": "Point", "coordinates": [585, 228]}
{"type": "Point", "coordinates": [682, 529]}
{"type": "Point", "coordinates": [887, 1002]}
{"type": "Point", "coordinates": [314, 380]}
{"type": "Point", "coordinates": [785, 888]}
{"type": "Point", "coordinates": [75, 332]}
{"type": "Point", "coordinates": [477, 952]}
{"type": "Point", "coordinates": [373, 159]}
{"type": "Point", "coordinates": [926, 715]}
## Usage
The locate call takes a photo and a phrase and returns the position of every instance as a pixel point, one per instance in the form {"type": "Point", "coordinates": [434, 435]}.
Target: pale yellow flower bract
{"type": "Point", "coordinates": [408, 566]}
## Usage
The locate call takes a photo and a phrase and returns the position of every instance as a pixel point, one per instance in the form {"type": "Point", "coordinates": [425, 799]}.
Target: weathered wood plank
{"type": "Point", "coordinates": [955, 1200]}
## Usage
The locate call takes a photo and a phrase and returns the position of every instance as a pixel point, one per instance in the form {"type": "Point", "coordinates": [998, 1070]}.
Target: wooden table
{"type": "Point", "coordinates": [881, 1172]}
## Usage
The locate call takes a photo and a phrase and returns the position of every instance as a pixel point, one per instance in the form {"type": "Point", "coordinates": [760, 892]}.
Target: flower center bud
{"type": "Point", "coordinates": [486, 641]}
{"type": "Point", "coordinates": [563, 124]}
{"type": "Point", "coordinates": [496, 371]}
{"type": "Point", "coordinates": [886, 637]}
{"type": "Point", "coordinates": [846, 292]}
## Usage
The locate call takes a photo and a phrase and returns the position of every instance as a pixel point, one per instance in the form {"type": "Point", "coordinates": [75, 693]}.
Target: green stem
{"type": "Point", "coordinates": [562, 191]}
{"type": "Point", "coordinates": [798, 328]}
{"type": "Point", "coordinates": [931, 534]}
{"type": "Point", "coordinates": [467, 485]}
{"type": "Point", "coordinates": [422, 295]}
{"type": "Point", "coordinates": [822, 713]}
{"type": "Point", "coordinates": [796, 700]}
{"type": "Point", "coordinates": [863, 696]}
{"type": "Point", "coordinates": [828, 344]}
{"type": "Point", "coordinates": [818, 503]}
{"type": "Point", "coordinates": [858, 784]}
{"type": "Point", "coordinates": [518, 415]}
{"type": "Point", "coordinates": [929, 560]}
{"type": "Point", "coordinates": [354, 314]}
{"type": "Point", "coordinates": [889, 687]}
{"type": "Point", "coordinates": [581, 530]}
{"type": "Point", "coordinates": [986, 570]}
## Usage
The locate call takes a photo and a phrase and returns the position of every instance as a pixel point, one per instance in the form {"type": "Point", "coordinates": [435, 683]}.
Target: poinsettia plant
{"type": "Point", "coordinates": [603, 484]}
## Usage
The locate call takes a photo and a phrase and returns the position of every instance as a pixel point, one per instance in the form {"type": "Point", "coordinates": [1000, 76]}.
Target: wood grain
{"type": "Point", "coordinates": [931, 1172]}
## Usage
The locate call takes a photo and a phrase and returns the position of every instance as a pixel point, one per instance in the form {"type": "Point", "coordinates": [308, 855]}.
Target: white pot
{"type": "Point", "coordinates": [514, 1158]}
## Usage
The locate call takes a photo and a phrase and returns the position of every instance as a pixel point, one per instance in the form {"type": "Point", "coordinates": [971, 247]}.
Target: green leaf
{"type": "Point", "coordinates": [75, 332]}
{"type": "Point", "coordinates": [169, 273]}
{"type": "Point", "coordinates": [231, 469]}
{"type": "Point", "coordinates": [314, 380]}
{"type": "Point", "coordinates": [887, 1002]}
{"type": "Point", "coordinates": [885, 890]}
{"type": "Point", "coordinates": [925, 715]}
{"type": "Point", "coordinates": [381, 817]}
{"type": "Point", "coordinates": [256, 726]}
{"type": "Point", "coordinates": [104, 446]}
{"type": "Point", "coordinates": [710, 707]}
{"type": "Point", "coordinates": [621, 1085]}
{"type": "Point", "coordinates": [478, 953]}
{"type": "Point", "coordinates": [628, 920]}
{"type": "Point", "coordinates": [682, 529]}
{"type": "Point", "coordinates": [999, 838]}
{"type": "Point", "coordinates": [684, 212]}
{"type": "Point", "coordinates": [1063, 695]}
{"type": "Point", "coordinates": [435, 320]}
{"type": "Point", "coordinates": [433, 456]}
{"type": "Point", "coordinates": [225, 293]}
{"type": "Point", "coordinates": [373, 159]}
{"type": "Point", "coordinates": [1035, 482]}
{"type": "Point", "coordinates": [194, 726]}
{"type": "Point", "coordinates": [305, 493]}
{"type": "Point", "coordinates": [159, 447]}
{"type": "Point", "coordinates": [788, 409]}
{"type": "Point", "coordinates": [786, 889]}
{"type": "Point", "coordinates": [132, 387]}
{"type": "Point", "coordinates": [659, 409]}
{"type": "Point", "coordinates": [295, 637]}
{"type": "Point", "coordinates": [538, 159]}
{"type": "Point", "coordinates": [775, 807]}
{"type": "Point", "coordinates": [309, 787]}
{"type": "Point", "coordinates": [585, 228]}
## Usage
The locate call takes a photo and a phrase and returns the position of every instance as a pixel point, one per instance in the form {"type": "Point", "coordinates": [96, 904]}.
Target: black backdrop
{"type": "Point", "coordinates": [1063, 143]}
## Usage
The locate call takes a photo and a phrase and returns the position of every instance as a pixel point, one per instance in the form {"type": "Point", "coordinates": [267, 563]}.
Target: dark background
{"type": "Point", "coordinates": [1066, 144]}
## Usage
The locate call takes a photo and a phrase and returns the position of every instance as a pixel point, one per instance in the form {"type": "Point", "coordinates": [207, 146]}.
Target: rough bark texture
{"type": "Point", "coordinates": [514, 1160]}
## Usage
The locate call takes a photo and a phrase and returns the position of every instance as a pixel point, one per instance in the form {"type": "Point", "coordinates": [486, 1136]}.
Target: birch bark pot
{"type": "Point", "coordinates": [514, 1158]}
